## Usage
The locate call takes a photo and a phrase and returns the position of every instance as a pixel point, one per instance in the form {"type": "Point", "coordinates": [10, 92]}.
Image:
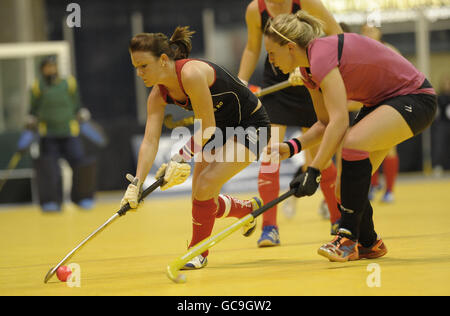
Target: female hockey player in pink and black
{"type": "Point", "coordinates": [399, 103]}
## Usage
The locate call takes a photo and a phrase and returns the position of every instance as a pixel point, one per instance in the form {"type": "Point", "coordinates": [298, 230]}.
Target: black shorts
{"type": "Point", "coordinates": [418, 110]}
{"type": "Point", "coordinates": [291, 106]}
{"type": "Point", "coordinates": [253, 133]}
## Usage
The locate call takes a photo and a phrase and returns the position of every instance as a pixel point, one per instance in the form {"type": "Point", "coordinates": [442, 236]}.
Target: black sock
{"type": "Point", "coordinates": [367, 234]}
{"type": "Point", "coordinates": [355, 183]}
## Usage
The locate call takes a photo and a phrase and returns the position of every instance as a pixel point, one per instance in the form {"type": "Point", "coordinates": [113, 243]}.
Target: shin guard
{"type": "Point", "coordinates": [269, 188]}
{"type": "Point", "coordinates": [203, 217]}
{"type": "Point", "coordinates": [355, 183]}
{"type": "Point", "coordinates": [367, 234]}
{"type": "Point", "coordinates": [232, 207]}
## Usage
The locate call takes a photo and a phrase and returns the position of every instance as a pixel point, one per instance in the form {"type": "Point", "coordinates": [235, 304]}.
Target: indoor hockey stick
{"type": "Point", "coordinates": [27, 137]}
{"type": "Point", "coordinates": [173, 269]}
{"type": "Point", "coordinates": [187, 121]}
{"type": "Point", "coordinates": [276, 87]}
{"type": "Point", "coordinates": [13, 162]}
{"type": "Point", "coordinates": [123, 210]}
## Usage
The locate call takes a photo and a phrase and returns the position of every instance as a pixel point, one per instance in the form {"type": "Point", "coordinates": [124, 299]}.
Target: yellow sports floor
{"type": "Point", "coordinates": [131, 255]}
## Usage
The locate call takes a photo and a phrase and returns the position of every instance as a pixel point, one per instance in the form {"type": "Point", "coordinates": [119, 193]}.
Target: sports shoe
{"type": "Point", "coordinates": [270, 237]}
{"type": "Point", "coordinates": [340, 249]}
{"type": "Point", "coordinates": [373, 190]}
{"type": "Point", "coordinates": [376, 251]}
{"type": "Point", "coordinates": [388, 197]}
{"type": "Point", "coordinates": [196, 263]}
{"type": "Point", "coordinates": [248, 229]}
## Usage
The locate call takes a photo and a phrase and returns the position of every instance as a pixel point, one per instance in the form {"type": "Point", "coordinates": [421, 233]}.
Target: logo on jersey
{"type": "Point", "coordinates": [218, 106]}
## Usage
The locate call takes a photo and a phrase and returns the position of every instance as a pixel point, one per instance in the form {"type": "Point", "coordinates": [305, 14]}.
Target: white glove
{"type": "Point", "coordinates": [83, 115]}
{"type": "Point", "coordinates": [174, 173]}
{"type": "Point", "coordinates": [133, 192]}
{"type": "Point", "coordinates": [295, 77]}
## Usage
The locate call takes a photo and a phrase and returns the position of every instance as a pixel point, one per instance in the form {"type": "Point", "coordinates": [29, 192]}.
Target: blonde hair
{"type": "Point", "coordinates": [300, 28]}
{"type": "Point", "coordinates": [177, 47]}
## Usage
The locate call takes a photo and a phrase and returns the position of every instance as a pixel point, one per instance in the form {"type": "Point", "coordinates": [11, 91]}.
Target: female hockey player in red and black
{"type": "Point", "coordinates": [219, 101]}
{"type": "Point", "coordinates": [399, 103]}
{"type": "Point", "coordinates": [289, 107]}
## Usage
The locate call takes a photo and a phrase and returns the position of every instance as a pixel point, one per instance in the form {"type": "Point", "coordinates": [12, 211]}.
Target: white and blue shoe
{"type": "Point", "coordinates": [270, 237]}
{"type": "Point", "coordinates": [196, 263]}
{"type": "Point", "coordinates": [248, 229]}
{"type": "Point", "coordinates": [373, 191]}
{"type": "Point", "coordinates": [388, 197]}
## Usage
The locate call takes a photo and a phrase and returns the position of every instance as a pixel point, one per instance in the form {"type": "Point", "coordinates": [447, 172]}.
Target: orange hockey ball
{"type": "Point", "coordinates": [63, 273]}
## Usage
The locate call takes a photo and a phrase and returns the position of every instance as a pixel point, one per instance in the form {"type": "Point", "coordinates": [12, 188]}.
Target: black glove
{"type": "Point", "coordinates": [306, 183]}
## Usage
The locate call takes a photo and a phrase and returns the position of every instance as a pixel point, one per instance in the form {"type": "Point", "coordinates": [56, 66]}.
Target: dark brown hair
{"type": "Point", "coordinates": [177, 47]}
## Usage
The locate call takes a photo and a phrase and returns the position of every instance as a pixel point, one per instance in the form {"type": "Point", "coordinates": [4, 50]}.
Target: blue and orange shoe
{"type": "Point", "coordinates": [249, 229]}
{"type": "Point", "coordinates": [340, 249]}
{"type": "Point", "coordinates": [377, 250]}
{"type": "Point", "coordinates": [270, 237]}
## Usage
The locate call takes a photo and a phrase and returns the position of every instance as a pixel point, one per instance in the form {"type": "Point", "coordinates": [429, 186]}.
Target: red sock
{"type": "Point", "coordinates": [269, 188]}
{"type": "Point", "coordinates": [328, 185]}
{"type": "Point", "coordinates": [203, 217]}
{"type": "Point", "coordinates": [374, 180]}
{"type": "Point", "coordinates": [390, 169]}
{"type": "Point", "coordinates": [232, 207]}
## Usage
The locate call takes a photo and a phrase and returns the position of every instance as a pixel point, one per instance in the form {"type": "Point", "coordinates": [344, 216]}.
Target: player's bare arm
{"type": "Point", "coordinates": [335, 102]}
{"type": "Point", "coordinates": [317, 9]}
{"type": "Point", "coordinates": [150, 143]}
{"type": "Point", "coordinates": [252, 50]}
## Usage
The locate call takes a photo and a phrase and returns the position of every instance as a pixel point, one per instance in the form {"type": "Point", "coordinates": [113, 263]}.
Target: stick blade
{"type": "Point", "coordinates": [49, 274]}
{"type": "Point", "coordinates": [173, 272]}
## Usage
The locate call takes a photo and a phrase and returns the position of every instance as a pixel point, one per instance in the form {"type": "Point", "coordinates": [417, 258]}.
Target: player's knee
{"type": "Point", "coordinates": [351, 141]}
{"type": "Point", "coordinates": [205, 183]}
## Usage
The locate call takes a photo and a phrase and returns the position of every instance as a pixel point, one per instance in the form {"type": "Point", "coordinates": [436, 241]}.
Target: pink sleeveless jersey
{"type": "Point", "coordinates": [371, 71]}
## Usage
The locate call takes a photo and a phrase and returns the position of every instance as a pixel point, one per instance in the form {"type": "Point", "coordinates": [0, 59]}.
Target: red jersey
{"type": "Point", "coordinates": [371, 71]}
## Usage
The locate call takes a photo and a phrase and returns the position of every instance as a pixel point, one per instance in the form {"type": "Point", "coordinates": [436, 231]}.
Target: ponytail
{"type": "Point", "coordinates": [180, 42]}
{"type": "Point", "coordinates": [177, 47]}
